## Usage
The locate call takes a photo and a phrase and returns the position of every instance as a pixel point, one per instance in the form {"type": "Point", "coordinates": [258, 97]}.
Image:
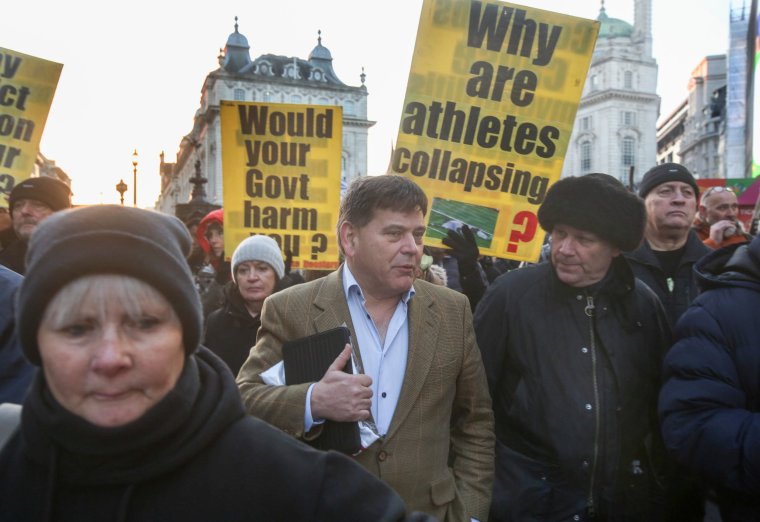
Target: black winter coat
{"type": "Point", "coordinates": [194, 456]}
{"type": "Point", "coordinates": [675, 295]}
{"type": "Point", "coordinates": [14, 257]}
{"type": "Point", "coordinates": [15, 371]}
{"type": "Point", "coordinates": [573, 375]}
{"type": "Point", "coordinates": [231, 331]}
{"type": "Point", "coordinates": [710, 402]}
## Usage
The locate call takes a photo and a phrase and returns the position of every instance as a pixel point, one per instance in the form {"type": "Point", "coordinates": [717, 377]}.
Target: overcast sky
{"type": "Point", "coordinates": [133, 71]}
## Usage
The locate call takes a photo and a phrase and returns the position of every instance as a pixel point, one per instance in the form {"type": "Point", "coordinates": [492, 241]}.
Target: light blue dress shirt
{"type": "Point", "coordinates": [384, 361]}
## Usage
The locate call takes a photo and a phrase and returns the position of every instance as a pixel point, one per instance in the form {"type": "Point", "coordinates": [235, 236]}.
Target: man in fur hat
{"type": "Point", "coordinates": [572, 349]}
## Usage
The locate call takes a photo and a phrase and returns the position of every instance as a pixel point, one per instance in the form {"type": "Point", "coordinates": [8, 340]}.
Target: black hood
{"type": "Point", "coordinates": [735, 265]}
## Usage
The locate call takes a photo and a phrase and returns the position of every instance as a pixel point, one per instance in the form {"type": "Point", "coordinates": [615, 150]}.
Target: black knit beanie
{"type": "Point", "coordinates": [664, 173]}
{"type": "Point", "coordinates": [107, 239]}
{"type": "Point", "coordinates": [596, 203]}
{"type": "Point", "coordinates": [50, 191]}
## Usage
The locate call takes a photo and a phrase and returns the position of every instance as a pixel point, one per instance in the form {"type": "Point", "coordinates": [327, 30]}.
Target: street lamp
{"type": "Point", "coordinates": [121, 188]}
{"type": "Point", "coordinates": [134, 176]}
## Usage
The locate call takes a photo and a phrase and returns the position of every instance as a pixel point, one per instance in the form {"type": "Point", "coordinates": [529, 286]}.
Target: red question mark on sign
{"type": "Point", "coordinates": [529, 222]}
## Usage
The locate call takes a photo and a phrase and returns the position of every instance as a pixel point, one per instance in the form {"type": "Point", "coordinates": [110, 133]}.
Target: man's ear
{"type": "Point", "coordinates": [702, 212]}
{"type": "Point", "coordinates": [347, 237]}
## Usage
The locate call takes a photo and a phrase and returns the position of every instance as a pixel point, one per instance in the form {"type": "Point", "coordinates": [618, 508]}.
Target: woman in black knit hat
{"type": "Point", "coordinates": [128, 417]}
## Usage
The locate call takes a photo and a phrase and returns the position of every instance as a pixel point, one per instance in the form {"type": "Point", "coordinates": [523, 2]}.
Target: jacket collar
{"type": "Point", "coordinates": [424, 318]}
{"type": "Point", "coordinates": [694, 249]}
{"type": "Point", "coordinates": [618, 281]}
{"type": "Point", "coordinates": [730, 266]}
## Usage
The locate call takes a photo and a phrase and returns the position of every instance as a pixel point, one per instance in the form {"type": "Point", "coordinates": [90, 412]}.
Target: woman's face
{"type": "Point", "coordinates": [111, 358]}
{"type": "Point", "coordinates": [255, 281]}
{"type": "Point", "coordinates": [216, 241]}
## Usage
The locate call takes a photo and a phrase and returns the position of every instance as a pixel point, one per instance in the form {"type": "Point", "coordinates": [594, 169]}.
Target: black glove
{"type": "Point", "coordinates": [463, 248]}
{"type": "Point", "coordinates": [290, 278]}
{"type": "Point", "coordinates": [288, 261]}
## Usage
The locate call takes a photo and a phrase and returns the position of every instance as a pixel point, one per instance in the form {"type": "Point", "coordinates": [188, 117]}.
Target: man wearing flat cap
{"type": "Point", "coordinates": [31, 202]}
{"type": "Point", "coordinates": [572, 349]}
{"type": "Point", "coordinates": [670, 248]}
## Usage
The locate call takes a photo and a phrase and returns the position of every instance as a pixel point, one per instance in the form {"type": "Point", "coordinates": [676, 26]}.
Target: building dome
{"type": "Point", "coordinates": [236, 57]}
{"type": "Point", "coordinates": [612, 27]}
{"type": "Point", "coordinates": [236, 39]}
{"type": "Point", "coordinates": [320, 52]}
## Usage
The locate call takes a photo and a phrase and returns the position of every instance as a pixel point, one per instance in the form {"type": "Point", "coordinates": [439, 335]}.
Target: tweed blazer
{"type": "Point", "coordinates": [438, 453]}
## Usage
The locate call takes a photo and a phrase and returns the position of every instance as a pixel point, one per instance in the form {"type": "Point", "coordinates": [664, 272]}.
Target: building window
{"type": "Point", "coordinates": [628, 80]}
{"type": "Point", "coordinates": [594, 82]}
{"type": "Point", "coordinates": [586, 156]}
{"type": "Point", "coordinates": [629, 152]}
{"type": "Point", "coordinates": [628, 118]}
{"type": "Point", "coordinates": [348, 107]}
{"type": "Point", "coordinates": [239, 95]}
{"type": "Point", "coordinates": [291, 71]}
{"type": "Point", "coordinates": [295, 98]}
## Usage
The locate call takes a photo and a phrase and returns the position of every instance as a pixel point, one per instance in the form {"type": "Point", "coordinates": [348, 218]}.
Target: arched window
{"type": "Point", "coordinates": [629, 153]}
{"type": "Point", "coordinates": [628, 80]}
{"type": "Point", "coordinates": [295, 98]}
{"type": "Point", "coordinates": [586, 156]}
{"type": "Point", "coordinates": [239, 95]}
{"type": "Point", "coordinates": [348, 107]}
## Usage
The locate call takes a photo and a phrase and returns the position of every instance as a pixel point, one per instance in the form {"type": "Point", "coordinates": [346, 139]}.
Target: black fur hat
{"type": "Point", "coordinates": [596, 203]}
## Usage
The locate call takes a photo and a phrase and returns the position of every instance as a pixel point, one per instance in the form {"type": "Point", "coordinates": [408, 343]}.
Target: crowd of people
{"type": "Point", "coordinates": [614, 380]}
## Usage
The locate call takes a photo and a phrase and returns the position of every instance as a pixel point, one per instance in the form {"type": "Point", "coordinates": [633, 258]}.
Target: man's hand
{"type": "Point", "coordinates": [721, 230]}
{"type": "Point", "coordinates": [464, 248]}
{"type": "Point", "coordinates": [342, 396]}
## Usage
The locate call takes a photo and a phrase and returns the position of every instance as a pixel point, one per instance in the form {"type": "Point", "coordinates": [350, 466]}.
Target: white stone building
{"type": "Point", "coordinates": [670, 134]}
{"type": "Point", "coordinates": [615, 125]}
{"type": "Point", "coordinates": [270, 78]}
{"type": "Point", "coordinates": [702, 142]}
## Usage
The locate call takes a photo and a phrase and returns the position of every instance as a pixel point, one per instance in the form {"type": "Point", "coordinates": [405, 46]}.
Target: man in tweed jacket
{"type": "Point", "coordinates": [423, 383]}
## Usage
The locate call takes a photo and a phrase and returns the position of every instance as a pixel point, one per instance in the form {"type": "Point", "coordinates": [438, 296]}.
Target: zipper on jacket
{"type": "Point", "coordinates": [589, 310]}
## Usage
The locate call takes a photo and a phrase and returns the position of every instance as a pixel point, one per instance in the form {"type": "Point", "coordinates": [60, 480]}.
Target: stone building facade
{"type": "Point", "coordinates": [268, 78]}
{"type": "Point", "coordinates": [615, 125]}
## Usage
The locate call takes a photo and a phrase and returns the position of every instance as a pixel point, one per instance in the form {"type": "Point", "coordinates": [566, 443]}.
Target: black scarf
{"type": "Point", "coordinates": [203, 403]}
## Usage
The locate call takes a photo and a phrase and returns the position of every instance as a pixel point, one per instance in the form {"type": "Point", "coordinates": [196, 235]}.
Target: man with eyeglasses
{"type": "Point", "coordinates": [717, 225]}
{"type": "Point", "coordinates": [31, 202]}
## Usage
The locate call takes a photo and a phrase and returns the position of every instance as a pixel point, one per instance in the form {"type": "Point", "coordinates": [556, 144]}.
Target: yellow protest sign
{"type": "Point", "coordinates": [281, 167]}
{"type": "Point", "coordinates": [489, 109]}
{"type": "Point", "coordinates": [27, 86]}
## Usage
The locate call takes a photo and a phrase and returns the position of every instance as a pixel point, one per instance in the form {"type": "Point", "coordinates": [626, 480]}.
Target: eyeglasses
{"type": "Point", "coordinates": [716, 189]}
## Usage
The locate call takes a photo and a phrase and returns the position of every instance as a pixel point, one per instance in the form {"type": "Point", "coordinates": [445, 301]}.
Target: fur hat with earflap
{"type": "Point", "coordinates": [596, 203]}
